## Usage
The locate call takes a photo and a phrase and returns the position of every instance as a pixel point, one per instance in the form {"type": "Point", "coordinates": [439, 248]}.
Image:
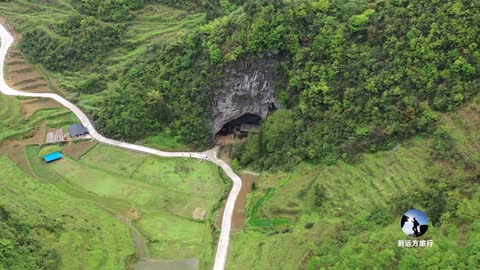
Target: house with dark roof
{"type": "Point", "coordinates": [78, 130]}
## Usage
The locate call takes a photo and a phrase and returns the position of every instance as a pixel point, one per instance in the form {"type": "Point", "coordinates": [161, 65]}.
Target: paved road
{"type": "Point", "coordinates": [222, 249]}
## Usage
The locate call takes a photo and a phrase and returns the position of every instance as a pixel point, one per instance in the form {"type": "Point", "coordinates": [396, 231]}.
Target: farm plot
{"type": "Point", "coordinates": [163, 202]}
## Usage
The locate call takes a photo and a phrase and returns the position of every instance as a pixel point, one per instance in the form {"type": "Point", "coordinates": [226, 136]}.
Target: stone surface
{"type": "Point", "coordinates": [249, 87]}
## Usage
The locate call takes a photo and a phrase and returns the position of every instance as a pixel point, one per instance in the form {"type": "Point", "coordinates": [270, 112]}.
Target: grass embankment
{"type": "Point", "coordinates": [165, 141]}
{"type": "Point", "coordinates": [357, 217]}
{"type": "Point", "coordinates": [10, 117]}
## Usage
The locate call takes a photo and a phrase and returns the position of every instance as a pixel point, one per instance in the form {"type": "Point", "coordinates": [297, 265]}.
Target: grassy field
{"type": "Point", "coordinates": [114, 160]}
{"type": "Point", "coordinates": [286, 229]}
{"type": "Point", "coordinates": [73, 227]}
{"type": "Point", "coordinates": [173, 237]}
{"type": "Point", "coordinates": [183, 175]}
{"type": "Point", "coordinates": [119, 181]}
{"type": "Point", "coordinates": [84, 236]}
{"type": "Point", "coordinates": [165, 141]}
{"type": "Point", "coordinates": [89, 201]}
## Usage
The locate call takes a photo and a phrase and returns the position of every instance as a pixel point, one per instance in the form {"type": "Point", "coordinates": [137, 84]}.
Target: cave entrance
{"type": "Point", "coordinates": [239, 128]}
{"type": "Point", "coordinates": [244, 124]}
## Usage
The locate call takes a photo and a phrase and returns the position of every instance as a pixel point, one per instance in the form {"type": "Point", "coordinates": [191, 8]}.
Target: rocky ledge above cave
{"type": "Point", "coordinates": [248, 88]}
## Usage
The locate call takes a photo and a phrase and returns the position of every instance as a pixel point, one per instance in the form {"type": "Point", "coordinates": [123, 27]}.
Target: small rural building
{"type": "Point", "coordinates": [246, 128]}
{"type": "Point", "coordinates": [78, 130]}
{"type": "Point", "coordinates": [243, 130]}
{"type": "Point", "coordinates": [52, 157]}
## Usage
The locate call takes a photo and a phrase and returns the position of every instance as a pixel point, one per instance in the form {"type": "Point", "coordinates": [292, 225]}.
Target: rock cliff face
{"type": "Point", "coordinates": [248, 88]}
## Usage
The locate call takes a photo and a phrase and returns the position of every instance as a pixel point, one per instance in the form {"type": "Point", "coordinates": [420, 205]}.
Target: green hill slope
{"type": "Point", "coordinates": [346, 216]}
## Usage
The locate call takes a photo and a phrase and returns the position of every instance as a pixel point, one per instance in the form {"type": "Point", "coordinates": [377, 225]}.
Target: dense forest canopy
{"type": "Point", "coordinates": [354, 75]}
{"type": "Point", "coordinates": [19, 250]}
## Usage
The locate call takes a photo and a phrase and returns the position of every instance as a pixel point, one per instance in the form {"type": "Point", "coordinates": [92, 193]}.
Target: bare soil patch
{"type": "Point", "coordinates": [198, 214]}
{"type": "Point", "coordinates": [228, 139]}
{"type": "Point", "coordinates": [225, 154]}
{"type": "Point", "coordinates": [239, 214]}
{"type": "Point", "coordinates": [132, 214]}
{"type": "Point", "coordinates": [29, 107]}
{"type": "Point", "coordinates": [36, 135]}
{"type": "Point", "coordinates": [78, 149]}
{"type": "Point", "coordinates": [16, 152]}
{"type": "Point", "coordinates": [472, 113]}
{"type": "Point", "coordinates": [28, 82]}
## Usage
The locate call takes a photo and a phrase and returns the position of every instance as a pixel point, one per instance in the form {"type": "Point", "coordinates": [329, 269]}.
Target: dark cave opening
{"type": "Point", "coordinates": [242, 125]}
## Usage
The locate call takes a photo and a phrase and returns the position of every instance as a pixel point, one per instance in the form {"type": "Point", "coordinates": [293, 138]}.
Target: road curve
{"type": "Point", "coordinates": [224, 240]}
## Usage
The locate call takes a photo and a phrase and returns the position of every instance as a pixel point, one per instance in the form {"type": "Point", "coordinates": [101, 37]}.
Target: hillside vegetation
{"type": "Point", "coordinates": [99, 207]}
{"type": "Point", "coordinates": [347, 216]}
{"type": "Point", "coordinates": [40, 226]}
{"type": "Point", "coordinates": [354, 75]}
{"type": "Point", "coordinates": [379, 115]}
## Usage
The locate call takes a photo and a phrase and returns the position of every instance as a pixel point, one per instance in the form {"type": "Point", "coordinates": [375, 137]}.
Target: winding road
{"type": "Point", "coordinates": [224, 240]}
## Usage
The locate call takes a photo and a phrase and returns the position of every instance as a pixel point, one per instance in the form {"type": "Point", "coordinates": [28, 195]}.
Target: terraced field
{"type": "Point", "coordinates": [111, 205]}
{"type": "Point", "coordinates": [29, 78]}
{"type": "Point", "coordinates": [71, 227]}
{"type": "Point", "coordinates": [152, 23]}
{"type": "Point", "coordinates": [144, 205]}
{"type": "Point", "coordinates": [10, 118]}
{"type": "Point", "coordinates": [124, 187]}
{"type": "Point", "coordinates": [282, 212]}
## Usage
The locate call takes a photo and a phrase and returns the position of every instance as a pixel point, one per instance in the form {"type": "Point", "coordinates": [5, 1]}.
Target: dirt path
{"type": "Point", "coordinates": [185, 264]}
{"type": "Point", "coordinates": [239, 215]}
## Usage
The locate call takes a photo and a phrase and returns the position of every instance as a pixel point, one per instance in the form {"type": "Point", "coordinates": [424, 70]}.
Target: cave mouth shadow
{"type": "Point", "coordinates": [241, 124]}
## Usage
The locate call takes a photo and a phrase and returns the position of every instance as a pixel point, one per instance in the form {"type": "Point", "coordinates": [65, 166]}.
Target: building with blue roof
{"type": "Point", "coordinates": [53, 157]}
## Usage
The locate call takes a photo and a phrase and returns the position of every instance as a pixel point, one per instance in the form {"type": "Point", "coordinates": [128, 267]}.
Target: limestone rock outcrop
{"type": "Point", "coordinates": [248, 87]}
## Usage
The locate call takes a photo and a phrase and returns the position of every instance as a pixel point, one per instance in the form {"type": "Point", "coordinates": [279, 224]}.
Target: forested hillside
{"type": "Point", "coordinates": [355, 75]}
{"type": "Point", "coordinates": [347, 216]}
